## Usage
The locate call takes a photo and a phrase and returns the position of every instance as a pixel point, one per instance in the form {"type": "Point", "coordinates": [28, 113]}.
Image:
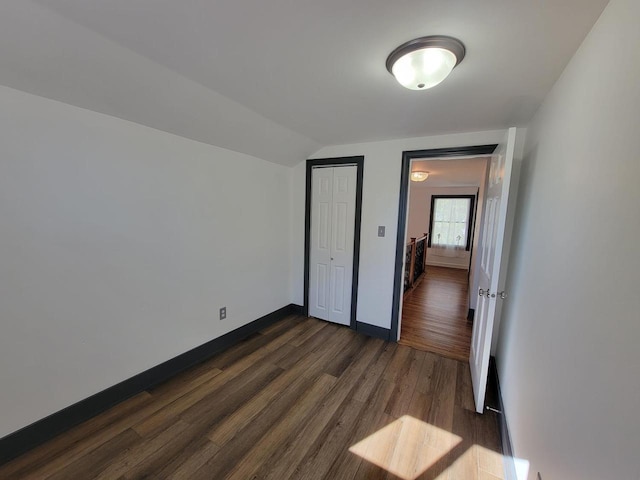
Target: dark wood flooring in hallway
{"type": "Point", "coordinates": [302, 399]}
{"type": "Point", "coordinates": [434, 314]}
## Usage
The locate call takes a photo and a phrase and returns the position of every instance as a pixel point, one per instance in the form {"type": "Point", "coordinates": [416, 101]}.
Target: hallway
{"type": "Point", "coordinates": [434, 314]}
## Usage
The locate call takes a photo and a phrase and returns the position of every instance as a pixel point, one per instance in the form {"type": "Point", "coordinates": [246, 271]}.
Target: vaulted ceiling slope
{"type": "Point", "coordinates": [279, 78]}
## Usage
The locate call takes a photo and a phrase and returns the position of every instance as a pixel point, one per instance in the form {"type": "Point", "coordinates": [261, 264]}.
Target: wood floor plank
{"type": "Point", "coordinates": [406, 385]}
{"type": "Point", "coordinates": [444, 388]}
{"type": "Point", "coordinates": [373, 374]}
{"type": "Point", "coordinates": [61, 448]}
{"type": "Point", "coordinates": [488, 476]}
{"type": "Point", "coordinates": [301, 399]}
{"type": "Point", "coordinates": [284, 326]}
{"type": "Point", "coordinates": [288, 397]}
{"type": "Point", "coordinates": [490, 458]}
{"type": "Point", "coordinates": [409, 451]}
{"type": "Point", "coordinates": [346, 464]}
{"type": "Point", "coordinates": [312, 364]}
{"type": "Point", "coordinates": [378, 452]}
{"type": "Point", "coordinates": [310, 345]}
{"type": "Point", "coordinates": [189, 460]}
{"type": "Point", "coordinates": [283, 430]}
{"type": "Point", "coordinates": [171, 408]}
{"type": "Point", "coordinates": [398, 365]}
{"type": "Point", "coordinates": [466, 465]}
{"type": "Point", "coordinates": [235, 374]}
{"type": "Point", "coordinates": [237, 449]}
{"type": "Point", "coordinates": [420, 406]}
{"type": "Point", "coordinates": [271, 341]}
{"type": "Point", "coordinates": [424, 383]}
{"type": "Point", "coordinates": [185, 440]}
{"type": "Point", "coordinates": [218, 405]}
{"type": "Point", "coordinates": [440, 418]}
{"type": "Point", "coordinates": [311, 332]}
{"type": "Point", "coordinates": [131, 457]}
{"type": "Point", "coordinates": [297, 449]}
{"type": "Point", "coordinates": [339, 362]}
{"type": "Point", "coordinates": [464, 389]}
{"type": "Point", "coordinates": [187, 380]}
{"type": "Point", "coordinates": [434, 314]}
{"type": "Point", "coordinates": [329, 444]}
{"type": "Point", "coordinates": [99, 457]}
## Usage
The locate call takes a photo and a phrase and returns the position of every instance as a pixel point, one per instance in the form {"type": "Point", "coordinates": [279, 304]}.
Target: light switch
{"type": "Point", "coordinates": [381, 230]}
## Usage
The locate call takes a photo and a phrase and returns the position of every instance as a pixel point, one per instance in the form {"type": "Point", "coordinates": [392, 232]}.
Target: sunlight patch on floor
{"type": "Point", "coordinates": [522, 468]}
{"type": "Point", "coordinates": [490, 461]}
{"type": "Point", "coordinates": [407, 447]}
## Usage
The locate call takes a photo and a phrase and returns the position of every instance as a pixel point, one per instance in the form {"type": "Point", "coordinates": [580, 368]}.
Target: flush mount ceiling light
{"type": "Point", "coordinates": [419, 176]}
{"type": "Point", "coordinates": [426, 61]}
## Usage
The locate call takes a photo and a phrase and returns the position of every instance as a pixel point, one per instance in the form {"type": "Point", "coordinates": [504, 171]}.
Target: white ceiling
{"type": "Point", "coordinates": [467, 172]}
{"type": "Point", "coordinates": [278, 79]}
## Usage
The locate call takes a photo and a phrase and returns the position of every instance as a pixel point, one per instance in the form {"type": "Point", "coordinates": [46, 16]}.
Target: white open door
{"type": "Point", "coordinates": [496, 236]}
{"type": "Point", "coordinates": [333, 200]}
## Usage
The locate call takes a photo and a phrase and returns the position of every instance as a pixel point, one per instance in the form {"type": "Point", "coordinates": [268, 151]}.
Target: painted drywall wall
{"type": "Point", "coordinates": [119, 245]}
{"type": "Point", "coordinates": [380, 196]}
{"type": "Point", "coordinates": [420, 216]}
{"type": "Point", "coordinates": [568, 355]}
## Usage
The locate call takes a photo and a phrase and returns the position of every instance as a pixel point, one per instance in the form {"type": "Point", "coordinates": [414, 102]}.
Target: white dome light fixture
{"type": "Point", "coordinates": [426, 61]}
{"type": "Point", "coordinates": [419, 176]}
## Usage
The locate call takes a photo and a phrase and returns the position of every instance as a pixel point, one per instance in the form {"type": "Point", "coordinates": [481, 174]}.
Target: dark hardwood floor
{"type": "Point", "coordinates": [303, 399]}
{"type": "Point", "coordinates": [434, 314]}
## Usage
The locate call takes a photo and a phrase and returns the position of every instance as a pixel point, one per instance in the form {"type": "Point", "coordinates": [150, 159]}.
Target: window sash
{"type": "Point", "coordinates": [451, 221]}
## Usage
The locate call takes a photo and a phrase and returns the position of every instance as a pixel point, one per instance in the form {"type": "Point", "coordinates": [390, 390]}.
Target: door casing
{"type": "Point", "coordinates": [358, 161]}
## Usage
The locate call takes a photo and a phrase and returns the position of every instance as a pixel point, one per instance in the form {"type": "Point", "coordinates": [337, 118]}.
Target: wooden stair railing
{"type": "Point", "coordinates": [415, 262]}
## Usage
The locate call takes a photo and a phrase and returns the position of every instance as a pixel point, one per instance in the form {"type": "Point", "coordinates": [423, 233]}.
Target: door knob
{"type": "Point", "coordinates": [482, 292]}
{"type": "Point", "coordinates": [502, 295]}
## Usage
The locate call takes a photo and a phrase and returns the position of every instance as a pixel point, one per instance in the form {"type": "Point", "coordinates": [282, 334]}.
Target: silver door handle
{"type": "Point", "coordinates": [482, 292]}
{"type": "Point", "coordinates": [502, 295]}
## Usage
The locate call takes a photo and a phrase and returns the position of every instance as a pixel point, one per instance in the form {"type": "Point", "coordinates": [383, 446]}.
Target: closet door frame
{"type": "Point", "coordinates": [358, 161]}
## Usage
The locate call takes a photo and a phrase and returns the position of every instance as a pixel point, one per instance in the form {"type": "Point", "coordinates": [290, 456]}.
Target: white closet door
{"type": "Point", "coordinates": [320, 249]}
{"type": "Point", "coordinates": [342, 232]}
{"type": "Point", "coordinates": [333, 197]}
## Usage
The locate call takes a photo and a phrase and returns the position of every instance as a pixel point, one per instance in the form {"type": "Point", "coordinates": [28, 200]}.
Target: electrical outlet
{"type": "Point", "coordinates": [223, 313]}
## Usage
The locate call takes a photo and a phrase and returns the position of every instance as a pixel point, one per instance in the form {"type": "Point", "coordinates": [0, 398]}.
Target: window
{"type": "Point", "coordinates": [451, 219]}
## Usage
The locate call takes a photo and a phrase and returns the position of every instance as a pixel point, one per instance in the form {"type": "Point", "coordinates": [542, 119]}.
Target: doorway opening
{"type": "Point", "coordinates": [438, 233]}
{"type": "Point", "coordinates": [441, 243]}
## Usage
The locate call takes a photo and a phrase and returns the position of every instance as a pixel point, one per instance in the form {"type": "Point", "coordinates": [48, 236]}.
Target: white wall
{"type": "Point", "coordinates": [569, 356]}
{"type": "Point", "coordinates": [381, 190]}
{"type": "Point", "coordinates": [420, 216]}
{"type": "Point", "coordinates": [419, 210]}
{"type": "Point", "coordinates": [118, 245]}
